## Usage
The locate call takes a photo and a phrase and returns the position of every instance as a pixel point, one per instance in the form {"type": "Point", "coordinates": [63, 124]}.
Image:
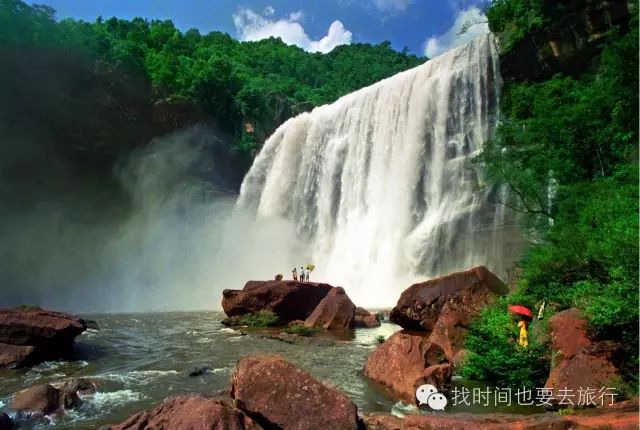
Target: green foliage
{"type": "Point", "coordinates": [260, 319]}
{"type": "Point", "coordinates": [300, 330]}
{"type": "Point", "coordinates": [262, 83]}
{"type": "Point", "coordinates": [380, 339]}
{"type": "Point", "coordinates": [567, 149]}
{"type": "Point", "coordinates": [496, 356]}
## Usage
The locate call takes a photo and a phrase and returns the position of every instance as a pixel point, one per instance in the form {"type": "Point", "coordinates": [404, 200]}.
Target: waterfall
{"type": "Point", "coordinates": [381, 186]}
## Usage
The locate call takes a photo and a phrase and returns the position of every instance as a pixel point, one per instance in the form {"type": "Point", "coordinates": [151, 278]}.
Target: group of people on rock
{"type": "Point", "coordinates": [302, 275]}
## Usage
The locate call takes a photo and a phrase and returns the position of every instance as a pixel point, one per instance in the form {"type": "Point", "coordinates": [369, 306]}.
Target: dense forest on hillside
{"type": "Point", "coordinates": [248, 87]}
{"type": "Point", "coordinates": [567, 149]}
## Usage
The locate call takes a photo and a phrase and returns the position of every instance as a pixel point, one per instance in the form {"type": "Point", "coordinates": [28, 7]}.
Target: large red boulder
{"type": "Point", "coordinates": [29, 335]}
{"type": "Point", "coordinates": [365, 319]}
{"type": "Point", "coordinates": [192, 412]}
{"type": "Point", "coordinates": [568, 333]}
{"type": "Point", "coordinates": [579, 362]}
{"type": "Point", "coordinates": [420, 305]}
{"type": "Point", "coordinates": [286, 397]}
{"type": "Point", "coordinates": [335, 311]}
{"type": "Point", "coordinates": [403, 363]}
{"type": "Point", "coordinates": [451, 328]}
{"type": "Point", "coordinates": [38, 327]}
{"type": "Point", "coordinates": [288, 299]}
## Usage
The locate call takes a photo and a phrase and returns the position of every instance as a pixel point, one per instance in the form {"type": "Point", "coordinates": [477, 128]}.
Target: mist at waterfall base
{"type": "Point", "coordinates": [179, 245]}
{"type": "Point", "coordinates": [378, 190]}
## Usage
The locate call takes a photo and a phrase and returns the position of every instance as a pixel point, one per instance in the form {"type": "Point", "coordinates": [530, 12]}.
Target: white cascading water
{"type": "Point", "coordinates": [381, 185]}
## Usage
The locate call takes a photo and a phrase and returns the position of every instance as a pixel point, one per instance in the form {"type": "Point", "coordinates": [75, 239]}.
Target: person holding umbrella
{"type": "Point", "coordinates": [525, 315]}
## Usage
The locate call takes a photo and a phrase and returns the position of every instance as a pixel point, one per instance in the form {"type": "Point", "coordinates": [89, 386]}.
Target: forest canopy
{"type": "Point", "coordinates": [261, 83]}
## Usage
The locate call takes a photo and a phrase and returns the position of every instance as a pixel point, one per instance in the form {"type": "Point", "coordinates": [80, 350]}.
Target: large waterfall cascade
{"type": "Point", "coordinates": [381, 187]}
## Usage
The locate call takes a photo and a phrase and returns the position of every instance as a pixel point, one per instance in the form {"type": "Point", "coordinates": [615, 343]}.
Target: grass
{"type": "Point", "coordinates": [260, 319]}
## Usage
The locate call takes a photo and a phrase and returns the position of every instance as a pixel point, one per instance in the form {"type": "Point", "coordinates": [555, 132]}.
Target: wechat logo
{"type": "Point", "coordinates": [427, 394]}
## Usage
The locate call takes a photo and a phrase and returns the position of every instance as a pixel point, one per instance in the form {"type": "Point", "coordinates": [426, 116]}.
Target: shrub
{"type": "Point", "coordinates": [300, 330]}
{"type": "Point", "coordinates": [380, 338]}
{"type": "Point", "coordinates": [260, 319]}
{"type": "Point", "coordinates": [495, 356]}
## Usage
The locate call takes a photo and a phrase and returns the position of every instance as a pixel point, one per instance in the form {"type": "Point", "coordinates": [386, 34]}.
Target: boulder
{"type": "Point", "coordinates": [5, 422]}
{"type": "Point", "coordinates": [593, 367]}
{"type": "Point", "coordinates": [403, 362]}
{"type": "Point", "coordinates": [365, 319]}
{"type": "Point", "coordinates": [289, 300]}
{"type": "Point", "coordinates": [39, 328]}
{"type": "Point", "coordinates": [335, 311]}
{"type": "Point", "coordinates": [625, 418]}
{"type": "Point", "coordinates": [568, 333]}
{"type": "Point", "coordinates": [29, 335]}
{"type": "Point", "coordinates": [278, 394]}
{"type": "Point", "coordinates": [40, 399]}
{"type": "Point", "coordinates": [420, 305]}
{"type": "Point", "coordinates": [451, 328]}
{"type": "Point", "coordinates": [190, 412]}
{"type": "Point", "coordinates": [579, 362]}
{"type": "Point", "coordinates": [12, 356]}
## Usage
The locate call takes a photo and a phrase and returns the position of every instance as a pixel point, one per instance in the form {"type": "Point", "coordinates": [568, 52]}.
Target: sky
{"type": "Point", "coordinates": [425, 27]}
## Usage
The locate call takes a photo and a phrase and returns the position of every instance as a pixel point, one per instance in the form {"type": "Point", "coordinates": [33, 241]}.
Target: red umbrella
{"type": "Point", "coordinates": [520, 310]}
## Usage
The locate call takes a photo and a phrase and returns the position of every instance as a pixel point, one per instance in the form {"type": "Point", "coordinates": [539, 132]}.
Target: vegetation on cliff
{"type": "Point", "coordinates": [567, 149]}
{"type": "Point", "coordinates": [248, 87]}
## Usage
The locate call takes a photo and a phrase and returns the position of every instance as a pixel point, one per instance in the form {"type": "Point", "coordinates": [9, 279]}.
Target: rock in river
{"type": "Point", "coordinates": [189, 412]}
{"type": "Point", "coordinates": [289, 300]}
{"type": "Point", "coordinates": [404, 362]}
{"type": "Point", "coordinates": [420, 305]}
{"type": "Point", "coordinates": [335, 311]}
{"type": "Point", "coordinates": [29, 335]}
{"type": "Point", "coordinates": [365, 319]}
{"type": "Point", "coordinates": [280, 395]}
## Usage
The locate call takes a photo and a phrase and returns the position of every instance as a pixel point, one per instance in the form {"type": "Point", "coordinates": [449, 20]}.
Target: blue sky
{"type": "Point", "coordinates": [315, 25]}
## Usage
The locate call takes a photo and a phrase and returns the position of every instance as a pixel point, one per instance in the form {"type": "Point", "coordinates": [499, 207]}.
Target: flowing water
{"type": "Point", "coordinates": [381, 184]}
{"type": "Point", "coordinates": [139, 359]}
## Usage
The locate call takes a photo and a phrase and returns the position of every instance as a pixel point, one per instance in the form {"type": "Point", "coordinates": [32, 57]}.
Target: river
{"type": "Point", "coordinates": [140, 359]}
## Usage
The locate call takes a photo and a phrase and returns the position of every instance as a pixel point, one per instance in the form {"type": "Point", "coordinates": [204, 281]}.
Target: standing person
{"type": "Point", "coordinates": [307, 273]}
{"type": "Point", "coordinates": [302, 274]}
{"type": "Point", "coordinates": [524, 334]}
{"type": "Point", "coordinates": [295, 274]}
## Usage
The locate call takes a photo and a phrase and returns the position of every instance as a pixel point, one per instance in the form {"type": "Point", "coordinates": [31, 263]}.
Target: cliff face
{"type": "Point", "coordinates": [568, 47]}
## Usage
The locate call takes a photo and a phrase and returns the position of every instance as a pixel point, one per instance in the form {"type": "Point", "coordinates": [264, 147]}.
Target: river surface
{"type": "Point", "coordinates": [140, 359]}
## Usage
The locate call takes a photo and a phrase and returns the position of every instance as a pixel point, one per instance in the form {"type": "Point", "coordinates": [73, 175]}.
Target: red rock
{"type": "Point", "coordinates": [285, 396]}
{"type": "Point", "coordinates": [40, 399]}
{"type": "Point", "coordinates": [335, 311]}
{"type": "Point", "coordinates": [438, 375]}
{"type": "Point", "coordinates": [377, 421]}
{"type": "Point", "coordinates": [190, 412]}
{"type": "Point", "coordinates": [365, 319]}
{"type": "Point", "coordinates": [39, 328]}
{"type": "Point", "coordinates": [590, 368]}
{"type": "Point", "coordinates": [451, 328]}
{"type": "Point", "coordinates": [568, 333]}
{"type": "Point", "coordinates": [16, 355]}
{"type": "Point", "coordinates": [5, 422]}
{"type": "Point", "coordinates": [420, 305]}
{"type": "Point", "coordinates": [288, 299]}
{"type": "Point", "coordinates": [401, 363]}
{"type": "Point", "coordinates": [618, 419]}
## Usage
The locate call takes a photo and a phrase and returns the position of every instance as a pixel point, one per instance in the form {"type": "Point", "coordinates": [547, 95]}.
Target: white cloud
{"type": "Point", "coordinates": [392, 5]}
{"type": "Point", "coordinates": [450, 39]}
{"type": "Point", "coordinates": [253, 26]}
